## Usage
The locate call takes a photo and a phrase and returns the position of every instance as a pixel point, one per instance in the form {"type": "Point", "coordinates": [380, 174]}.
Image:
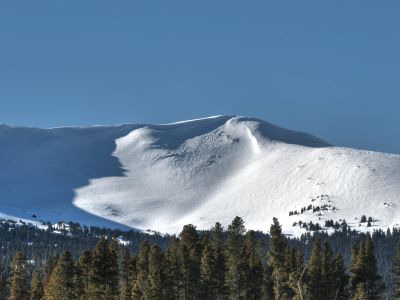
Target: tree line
{"type": "Point", "coordinates": [217, 264]}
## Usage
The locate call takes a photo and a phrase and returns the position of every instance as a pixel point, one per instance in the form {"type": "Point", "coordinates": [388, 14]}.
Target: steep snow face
{"type": "Point", "coordinates": [161, 177]}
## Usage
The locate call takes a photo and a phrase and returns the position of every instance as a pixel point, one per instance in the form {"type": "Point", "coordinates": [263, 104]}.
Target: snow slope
{"type": "Point", "coordinates": [161, 177]}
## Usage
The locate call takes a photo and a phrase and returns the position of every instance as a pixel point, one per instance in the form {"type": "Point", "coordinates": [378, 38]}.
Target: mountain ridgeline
{"type": "Point", "coordinates": [161, 177]}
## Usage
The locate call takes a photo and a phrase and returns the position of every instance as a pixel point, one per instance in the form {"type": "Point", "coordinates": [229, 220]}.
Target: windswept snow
{"type": "Point", "coordinates": [161, 177]}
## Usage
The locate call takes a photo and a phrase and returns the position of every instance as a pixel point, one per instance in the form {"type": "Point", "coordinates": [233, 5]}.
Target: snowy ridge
{"type": "Point", "coordinates": [161, 177]}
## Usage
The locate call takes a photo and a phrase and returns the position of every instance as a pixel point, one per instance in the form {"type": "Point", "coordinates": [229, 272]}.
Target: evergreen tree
{"type": "Point", "coordinates": [190, 269]}
{"type": "Point", "coordinates": [253, 269]}
{"type": "Point", "coordinates": [85, 269]}
{"type": "Point", "coordinates": [3, 287]}
{"type": "Point", "coordinates": [208, 271]}
{"type": "Point", "coordinates": [217, 242]}
{"type": "Point", "coordinates": [357, 267]}
{"type": "Point", "coordinates": [360, 292]}
{"type": "Point", "coordinates": [354, 256]}
{"type": "Point", "coordinates": [374, 285]}
{"type": "Point", "coordinates": [236, 231]}
{"type": "Point", "coordinates": [19, 278]}
{"type": "Point", "coordinates": [174, 270]}
{"type": "Point", "coordinates": [125, 274]}
{"type": "Point", "coordinates": [190, 258]}
{"type": "Point", "coordinates": [60, 285]}
{"type": "Point", "coordinates": [315, 284]}
{"type": "Point", "coordinates": [48, 268]}
{"type": "Point", "coordinates": [397, 273]}
{"type": "Point", "coordinates": [126, 290]}
{"type": "Point", "coordinates": [328, 272]}
{"type": "Point", "coordinates": [78, 282]}
{"type": "Point", "coordinates": [168, 288]}
{"type": "Point", "coordinates": [268, 283]}
{"type": "Point", "coordinates": [125, 293]}
{"type": "Point", "coordinates": [140, 283]}
{"type": "Point", "coordinates": [277, 262]}
{"type": "Point", "coordinates": [155, 287]}
{"type": "Point", "coordinates": [36, 292]}
{"type": "Point", "coordinates": [102, 275]}
{"type": "Point", "coordinates": [341, 279]}
{"type": "Point", "coordinates": [114, 271]}
{"type": "Point", "coordinates": [296, 271]}
{"type": "Point", "coordinates": [365, 272]}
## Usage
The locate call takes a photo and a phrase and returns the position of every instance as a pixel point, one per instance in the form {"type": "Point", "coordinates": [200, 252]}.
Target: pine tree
{"type": "Point", "coordinates": [140, 283]}
{"type": "Point", "coordinates": [85, 268]}
{"type": "Point", "coordinates": [268, 283]}
{"type": "Point", "coordinates": [60, 285]}
{"type": "Point", "coordinates": [48, 268]}
{"type": "Point", "coordinates": [19, 278]}
{"type": "Point", "coordinates": [357, 267]}
{"type": "Point", "coordinates": [113, 273]}
{"type": "Point", "coordinates": [173, 270]}
{"type": "Point", "coordinates": [126, 277]}
{"type": "Point", "coordinates": [190, 258]}
{"type": "Point", "coordinates": [365, 272]}
{"type": "Point", "coordinates": [36, 292]}
{"type": "Point", "coordinates": [194, 269]}
{"type": "Point", "coordinates": [253, 274]}
{"type": "Point", "coordinates": [374, 285]}
{"type": "Point", "coordinates": [315, 284]}
{"type": "Point", "coordinates": [360, 292]}
{"type": "Point", "coordinates": [277, 261]}
{"type": "Point", "coordinates": [296, 269]}
{"type": "Point", "coordinates": [168, 288]}
{"type": "Point", "coordinates": [341, 279]}
{"type": "Point", "coordinates": [155, 288]}
{"type": "Point", "coordinates": [102, 275]}
{"type": "Point", "coordinates": [208, 271]}
{"type": "Point", "coordinates": [3, 287]}
{"type": "Point", "coordinates": [217, 242]}
{"type": "Point", "coordinates": [354, 256]}
{"type": "Point", "coordinates": [126, 291]}
{"type": "Point", "coordinates": [78, 281]}
{"type": "Point", "coordinates": [327, 272]}
{"type": "Point", "coordinates": [236, 231]}
{"type": "Point", "coordinates": [397, 273]}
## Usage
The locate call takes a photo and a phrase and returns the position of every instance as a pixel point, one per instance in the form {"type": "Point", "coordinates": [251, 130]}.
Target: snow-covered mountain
{"type": "Point", "coordinates": [161, 177]}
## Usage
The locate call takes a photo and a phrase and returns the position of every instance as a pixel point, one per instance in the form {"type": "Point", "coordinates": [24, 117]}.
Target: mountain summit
{"type": "Point", "coordinates": [161, 177]}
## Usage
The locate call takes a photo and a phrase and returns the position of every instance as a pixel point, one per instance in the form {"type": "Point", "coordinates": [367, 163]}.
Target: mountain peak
{"type": "Point", "coordinates": [163, 176]}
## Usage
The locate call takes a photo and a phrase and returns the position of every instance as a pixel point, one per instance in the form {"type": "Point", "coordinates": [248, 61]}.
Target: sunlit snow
{"type": "Point", "coordinates": [160, 177]}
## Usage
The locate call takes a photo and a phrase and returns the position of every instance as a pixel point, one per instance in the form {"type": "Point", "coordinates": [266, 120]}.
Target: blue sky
{"type": "Point", "coordinates": [330, 68]}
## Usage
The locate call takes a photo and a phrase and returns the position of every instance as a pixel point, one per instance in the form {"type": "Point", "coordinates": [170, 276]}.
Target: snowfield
{"type": "Point", "coordinates": [161, 177]}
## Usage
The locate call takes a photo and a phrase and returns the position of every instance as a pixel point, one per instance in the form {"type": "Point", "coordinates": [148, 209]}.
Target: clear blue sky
{"type": "Point", "coordinates": [331, 68]}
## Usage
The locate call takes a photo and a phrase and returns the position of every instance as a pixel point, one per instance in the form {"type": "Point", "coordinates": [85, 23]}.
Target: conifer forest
{"type": "Point", "coordinates": [221, 263]}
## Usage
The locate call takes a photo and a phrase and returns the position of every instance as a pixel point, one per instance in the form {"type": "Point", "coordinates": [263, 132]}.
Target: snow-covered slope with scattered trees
{"type": "Point", "coordinates": [161, 177]}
